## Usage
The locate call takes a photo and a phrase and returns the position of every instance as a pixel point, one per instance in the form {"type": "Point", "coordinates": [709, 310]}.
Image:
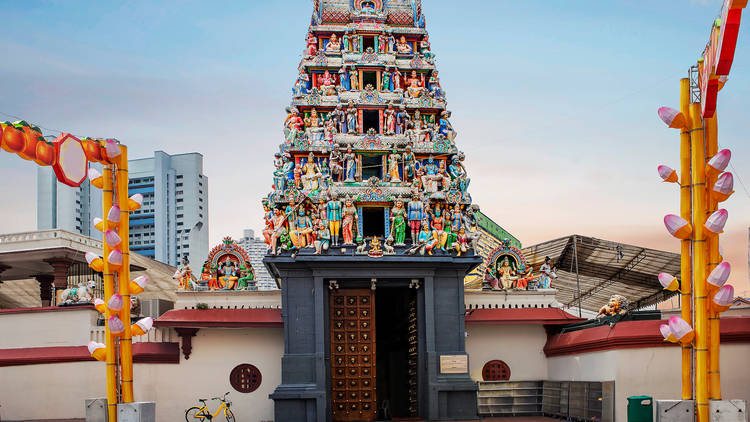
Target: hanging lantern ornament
{"type": "Point", "coordinates": [667, 333]}
{"type": "Point", "coordinates": [135, 202]}
{"type": "Point", "coordinates": [142, 326]}
{"type": "Point", "coordinates": [95, 262]}
{"type": "Point", "coordinates": [677, 226]}
{"type": "Point", "coordinates": [681, 330]}
{"type": "Point", "coordinates": [100, 305]}
{"type": "Point", "coordinates": [719, 275]}
{"type": "Point", "coordinates": [113, 216]}
{"type": "Point", "coordinates": [667, 174]}
{"type": "Point", "coordinates": [672, 118]}
{"type": "Point", "coordinates": [723, 187]}
{"type": "Point", "coordinates": [115, 259]}
{"type": "Point", "coordinates": [116, 327]}
{"type": "Point", "coordinates": [112, 238]}
{"type": "Point", "coordinates": [98, 351]}
{"type": "Point", "coordinates": [99, 224]}
{"type": "Point", "coordinates": [115, 303]}
{"type": "Point", "coordinates": [716, 221]}
{"type": "Point", "coordinates": [95, 178]}
{"type": "Point", "coordinates": [718, 163]}
{"type": "Point", "coordinates": [669, 282]}
{"type": "Point", "coordinates": [138, 285]}
{"type": "Point", "coordinates": [723, 299]}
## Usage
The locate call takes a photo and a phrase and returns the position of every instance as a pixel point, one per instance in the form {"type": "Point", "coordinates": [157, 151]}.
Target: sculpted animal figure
{"type": "Point", "coordinates": [83, 293]}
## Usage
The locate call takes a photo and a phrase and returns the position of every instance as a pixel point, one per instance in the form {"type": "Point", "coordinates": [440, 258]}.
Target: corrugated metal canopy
{"type": "Point", "coordinates": [604, 268]}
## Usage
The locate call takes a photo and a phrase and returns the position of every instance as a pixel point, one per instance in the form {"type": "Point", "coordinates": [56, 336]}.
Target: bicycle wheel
{"type": "Point", "coordinates": [229, 415]}
{"type": "Point", "coordinates": [194, 414]}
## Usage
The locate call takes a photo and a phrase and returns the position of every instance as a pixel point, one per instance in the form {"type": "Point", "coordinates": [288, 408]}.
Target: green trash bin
{"type": "Point", "coordinates": [640, 409]}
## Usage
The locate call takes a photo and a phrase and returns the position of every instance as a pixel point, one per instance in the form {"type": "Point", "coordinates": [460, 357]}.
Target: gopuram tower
{"type": "Point", "coordinates": [370, 227]}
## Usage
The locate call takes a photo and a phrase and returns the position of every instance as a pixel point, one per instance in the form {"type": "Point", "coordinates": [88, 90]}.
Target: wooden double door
{"type": "Point", "coordinates": [353, 374]}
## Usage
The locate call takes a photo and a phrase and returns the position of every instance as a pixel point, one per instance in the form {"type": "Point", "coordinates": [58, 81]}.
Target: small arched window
{"type": "Point", "coordinates": [496, 370]}
{"type": "Point", "coordinates": [245, 378]}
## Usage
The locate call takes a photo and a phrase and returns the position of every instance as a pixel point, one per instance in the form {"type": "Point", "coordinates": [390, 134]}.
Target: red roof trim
{"type": "Point", "coordinates": [46, 309]}
{"type": "Point", "coordinates": [142, 353]}
{"type": "Point", "coordinates": [545, 316]}
{"type": "Point", "coordinates": [227, 318]}
{"type": "Point", "coordinates": [633, 334]}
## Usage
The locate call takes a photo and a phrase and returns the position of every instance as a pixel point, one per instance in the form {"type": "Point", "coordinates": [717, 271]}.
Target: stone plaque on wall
{"type": "Point", "coordinates": [454, 364]}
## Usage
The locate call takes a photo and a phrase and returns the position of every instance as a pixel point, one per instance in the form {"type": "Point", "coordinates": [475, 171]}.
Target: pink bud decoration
{"type": "Point", "coordinates": [723, 187]}
{"type": "Point", "coordinates": [113, 150]}
{"type": "Point", "coordinates": [142, 326]}
{"type": "Point", "coordinates": [96, 263]}
{"type": "Point", "coordinates": [95, 178]}
{"type": "Point", "coordinates": [99, 305]}
{"type": "Point", "coordinates": [718, 163]}
{"type": "Point", "coordinates": [99, 224]}
{"type": "Point", "coordinates": [667, 333]}
{"type": "Point", "coordinates": [138, 284]}
{"type": "Point", "coordinates": [135, 202]}
{"type": "Point", "coordinates": [112, 238]}
{"type": "Point", "coordinates": [677, 226]}
{"type": "Point", "coordinates": [115, 303]}
{"type": "Point", "coordinates": [672, 118]}
{"type": "Point", "coordinates": [668, 281]}
{"type": "Point", "coordinates": [667, 174]}
{"type": "Point", "coordinates": [115, 259]}
{"type": "Point", "coordinates": [719, 275]}
{"type": "Point", "coordinates": [716, 221]}
{"type": "Point", "coordinates": [113, 216]}
{"type": "Point", "coordinates": [116, 327]}
{"type": "Point", "coordinates": [725, 295]}
{"type": "Point", "coordinates": [681, 330]}
{"type": "Point", "coordinates": [97, 350]}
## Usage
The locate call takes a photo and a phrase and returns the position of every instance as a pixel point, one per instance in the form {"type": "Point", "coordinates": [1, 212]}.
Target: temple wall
{"type": "Point", "coordinates": [519, 346]}
{"type": "Point", "coordinates": [58, 327]}
{"type": "Point", "coordinates": [653, 371]}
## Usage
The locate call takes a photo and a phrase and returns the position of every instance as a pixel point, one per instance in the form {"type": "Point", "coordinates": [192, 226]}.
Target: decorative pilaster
{"type": "Point", "coordinates": [186, 334]}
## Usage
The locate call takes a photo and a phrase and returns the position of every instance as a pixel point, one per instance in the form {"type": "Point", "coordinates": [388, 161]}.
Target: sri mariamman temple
{"type": "Point", "coordinates": [379, 290]}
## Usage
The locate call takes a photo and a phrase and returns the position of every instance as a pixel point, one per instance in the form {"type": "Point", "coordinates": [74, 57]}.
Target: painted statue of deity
{"type": "Point", "coordinates": [338, 115]}
{"type": "Point", "coordinates": [439, 227]}
{"type": "Point", "coordinates": [344, 81]}
{"type": "Point", "coordinates": [403, 47]}
{"type": "Point", "coordinates": [546, 273]}
{"type": "Point", "coordinates": [334, 44]}
{"type": "Point", "coordinates": [293, 125]}
{"type": "Point", "coordinates": [351, 119]}
{"type": "Point", "coordinates": [434, 84]}
{"type": "Point", "coordinates": [401, 119]}
{"type": "Point", "coordinates": [302, 85]}
{"type": "Point", "coordinates": [415, 214]}
{"type": "Point", "coordinates": [410, 164]}
{"type": "Point", "coordinates": [314, 126]}
{"type": "Point", "coordinates": [391, 41]}
{"type": "Point", "coordinates": [281, 174]}
{"type": "Point", "coordinates": [456, 223]}
{"type": "Point", "coordinates": [184, 275]}
{"type": "Point", "coordinates": [325, 174]}
{"type": "Point", "coordinates": [397, 77]}
{"type": "Point", "coordinates": [328, 83]}
{"type": "Point", "coordinates": [398, 223]}
{"type": "Point", "coordinates": [304, 230]}
{"type": "Point", "coordinates": [337, 167]}
{"type": "Point", "coordinates": [207, 276]}
{"type": "Point", "coordinates": [322, 239]}
{"type": "Point", "coordinates": [427, 239]}
{"type": "Point", "coordinates": [353, 80]}
{"type": "Point", "coordinates": [446, 129]}
{"type": "Point", "coordinates": [346, 45]}
{"type": "Point", "coordinates": [458, 175]}
{"type": "Point", "coordinates": [334, 209]}
{"type": "Point", "coordinates": [267, 224]}
{"type": "Point", "coordinates": [461, 245]}
{"type": "Point", "coordinates": [430, 178]}
{"type": "Point", "coordinates": [424, 48]}
{"type": "Point", "coordinates": [415, 83]}
{"type": "Point", "coordinates": [390, 120]}
{"type": "Point", "coordinates": [393, 164]}
{"type": "Point", "coordinates": [350, 160]}
{"type": "Point", "coordinates": [506, 274]}
{"type": "Point", "coordinates": [348, 222]}
{"type": "Point", "coordinates": [445, 179]}
{"type": "Point", "coordinates": [228, 275]}
{"type": "Point", "coordinates": [311, 174]}
{"type": "Point", "coordinates": [385, 82]}
{"type": "Point", "coordinates": [355, 43]}
{"type": "Point", "coordinates": [247, 278]}
{"type": "Point", "coordinates": [312, 45]}
{"type": "Point", "coordinates": [382, 43]}
{"type": "Point", "coordinates": [329, 130]}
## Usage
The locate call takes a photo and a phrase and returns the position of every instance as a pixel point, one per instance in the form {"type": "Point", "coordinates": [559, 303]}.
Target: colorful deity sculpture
{"type": "Point", "coordinates": [334, 209]}
{"type": "Point", "coordinates": [344, 80]}
{"type": "Point", "coordinates": [322, 239]}
{"type": "Point", "coordinates": [403, 47]}
{"type": "Point", "coordinates": [346, 45]}
{"type": "Point", "coordinates": [415, 88]}
{"type": "Point", "coordinates": [208, 277]}
{"type": "Point", "coordinates": [184, 275]}
{"type": "Point", "coordinates": [398, 223]}
{"type": "Point", "coordinates": [333, 45]}
{"type": "Point", "coordinates": [401, 118]}
{"type": "Point", "coordinates": [415, 214]}
{"type": "Point", "coordinates": [434, 84]}
{"type": "Point", "coordinates": [312, 175]}
{"type": "Point", "coordinates": [350, 159]}
{"type": "Point", "coordinates": [301, 85]}
{"type": "Point", "coordinates": [506, 274]}
{"type": "Point", "coordinates": [393, 167]}
{"type": "Point", "coordinates": [328, 84]}
{"type": "Point", "coordinates": [353, 80]}
{"type": "Point", "coordinates": [303, 229]}
{"type": "Point", "coordinates": [227, 275]}
{"type": "Point", "coordinates": [547, 274]}
{"type": "Point", "coordinates": [390, 120]}
{"type": "Point", "coordinates": [445, 128]}
{"type": "Point", "coordinates": [312, 45]}
{"type": "Point", "coordinates": [348, 221]}
{"type": "Point", "coordinates": [351, 119]}
{"type": "Point", "coordinates": [338, 116]}
{"type": "Point", "coordinates": [439, 227]}
{"type": "Point", "coordinates": [410, 164]}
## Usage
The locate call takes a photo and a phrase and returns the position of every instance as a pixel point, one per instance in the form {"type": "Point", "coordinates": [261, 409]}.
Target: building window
{"type": "Point", "coordinates": [179, 192]}
{"type": "Point", "coordinates": [496, 370]}
{"type": "Point", "coordinates": [245, 378]}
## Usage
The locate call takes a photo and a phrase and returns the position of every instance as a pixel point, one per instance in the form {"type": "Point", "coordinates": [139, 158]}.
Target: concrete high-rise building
{"type": "Point", "coordinates": [256, 248]}
{"type": "Point", "coordinates": [172, 222]}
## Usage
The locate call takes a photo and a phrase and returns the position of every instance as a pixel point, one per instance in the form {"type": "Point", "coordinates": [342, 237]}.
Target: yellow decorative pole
{"type": "Point", "coordinates": [713, 260]}
{"type": "Point", "coordinates": [699, 263]}
{"type": "Point", "coordinates": [108, 292]}
{"type": "Point", "coordinates": [126, 341]}
{"type": "Point", "coordinates": [685, 212]}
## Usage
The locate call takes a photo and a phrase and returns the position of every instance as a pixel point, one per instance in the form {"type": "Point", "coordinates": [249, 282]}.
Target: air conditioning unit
{"type": "Point", "coordinates": [154, 308]}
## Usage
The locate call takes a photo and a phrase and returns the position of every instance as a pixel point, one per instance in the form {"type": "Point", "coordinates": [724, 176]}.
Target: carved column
{"type": "Point", "coordinates": [45, 288]}
{"type": "Point", "coordinates": [186, 334]}
{"type": "Point", "coordinates": [60, 270]}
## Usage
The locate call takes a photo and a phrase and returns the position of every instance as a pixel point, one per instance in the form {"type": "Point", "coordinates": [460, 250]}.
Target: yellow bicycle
{"type": "Point", "coordinates": [201, 414]}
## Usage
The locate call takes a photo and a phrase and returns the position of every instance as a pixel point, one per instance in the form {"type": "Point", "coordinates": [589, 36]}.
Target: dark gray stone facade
{"type": "Point", "coordinates": [305, 390]}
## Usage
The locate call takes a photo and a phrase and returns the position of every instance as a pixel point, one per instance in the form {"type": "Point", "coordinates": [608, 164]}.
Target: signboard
{"type": "Point", "coordinates": [454, 364]}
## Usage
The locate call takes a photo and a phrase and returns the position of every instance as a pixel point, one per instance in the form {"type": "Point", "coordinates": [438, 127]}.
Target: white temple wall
{"type": "Point", "coordinates": [519, 346]}
{"type": "Point", "coordinates": [653, 371]}
{"type": "Point", "coordinates": [46, 329]}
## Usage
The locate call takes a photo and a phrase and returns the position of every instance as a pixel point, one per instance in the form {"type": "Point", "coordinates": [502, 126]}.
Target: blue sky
{"type": "Point", "coordinates": [554, 101]}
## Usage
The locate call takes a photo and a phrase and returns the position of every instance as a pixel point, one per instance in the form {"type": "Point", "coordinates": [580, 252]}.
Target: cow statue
{"type": "Point", "coordinates": [83, 293]}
